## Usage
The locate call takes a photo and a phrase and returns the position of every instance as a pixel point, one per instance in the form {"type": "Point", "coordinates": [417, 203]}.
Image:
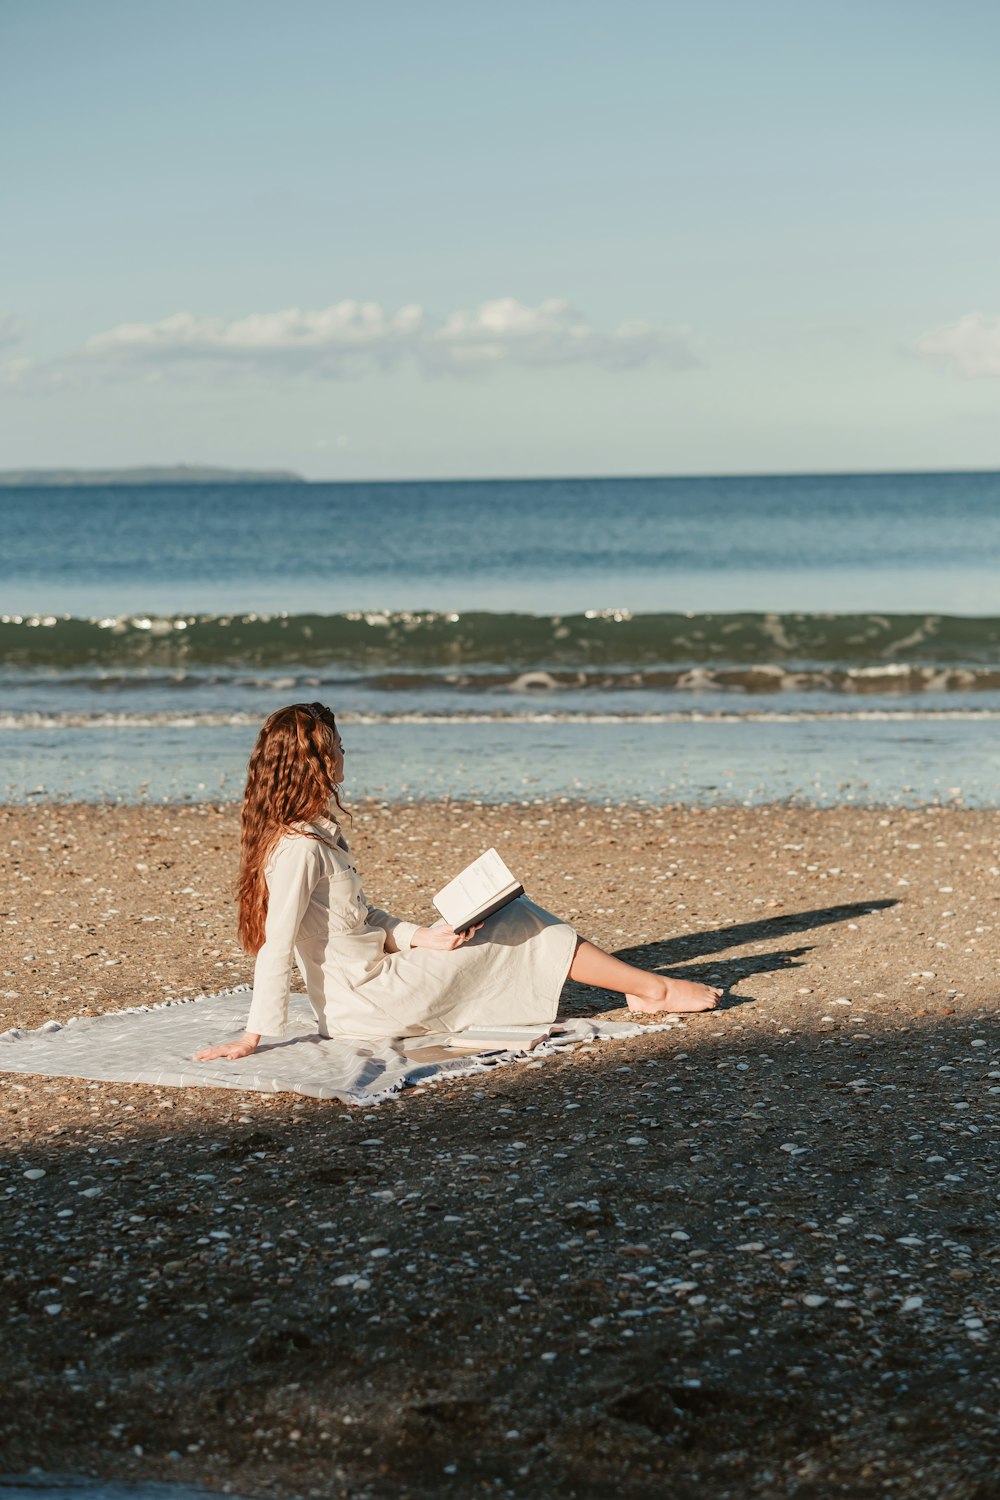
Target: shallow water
{"type": "Point", "coordinates": [698, 761]}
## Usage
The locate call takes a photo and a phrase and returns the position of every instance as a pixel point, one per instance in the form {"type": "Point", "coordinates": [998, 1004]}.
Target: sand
{"type": "Point", "coordinates": [754, 1256]}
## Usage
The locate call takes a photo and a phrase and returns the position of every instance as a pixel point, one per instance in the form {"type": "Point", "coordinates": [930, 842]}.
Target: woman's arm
{"type": "Point", "coordinates": [398, 934]}
{"type": "Point", "coordinates": [294, 876]}
{"type": "Point", "coordinates": [441, 938]}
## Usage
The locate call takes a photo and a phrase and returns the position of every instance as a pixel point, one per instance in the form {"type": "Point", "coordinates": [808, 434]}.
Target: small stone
{"type": "Point", "coordinates": [362, 1284]}
{"type": "Point", "coordinates": [813, 1299]}
{"type": "Point", "coordinates": [53, 1309]}
{"type": "Point", "coordinates": [34, 1173]}
{"type": "Point", "coordinates": [93, 1192]}
{"type": "Point", "coordinates": [379, 1253]}
{"type": "Point", "coordinates": [911, 1304]}
{"type": "Point", "coordinates": [550, 1355]}
{"type": "Point", "coordinates": [637, 1140]}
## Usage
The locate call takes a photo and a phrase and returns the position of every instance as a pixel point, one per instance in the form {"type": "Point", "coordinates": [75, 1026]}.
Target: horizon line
{"type": "Point", "coordinates": [293, 475]}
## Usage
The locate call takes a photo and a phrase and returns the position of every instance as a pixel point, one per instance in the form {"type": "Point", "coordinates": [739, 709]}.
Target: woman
{"type": "Point", "coordinates": [367, 973]}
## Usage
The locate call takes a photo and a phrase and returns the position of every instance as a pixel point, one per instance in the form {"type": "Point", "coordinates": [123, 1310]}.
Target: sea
{"type": "Point", "coordinates": [817, 639]}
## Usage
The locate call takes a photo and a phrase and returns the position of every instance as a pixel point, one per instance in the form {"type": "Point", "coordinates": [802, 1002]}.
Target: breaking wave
{"type": "Point", "coordinates": [606, 649]}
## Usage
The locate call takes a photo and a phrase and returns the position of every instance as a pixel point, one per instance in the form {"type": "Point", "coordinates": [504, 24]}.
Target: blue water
{"type": "Point", "coordinates": [904, 543]}
{"type": "Point", "coordinates": [680, 639]}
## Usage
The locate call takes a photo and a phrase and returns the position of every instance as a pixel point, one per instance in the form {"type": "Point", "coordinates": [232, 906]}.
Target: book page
{"type": "Point", "coordinates": [476, 886]}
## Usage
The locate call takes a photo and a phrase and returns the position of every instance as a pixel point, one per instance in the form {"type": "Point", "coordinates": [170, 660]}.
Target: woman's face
{"type": "Point", "coordinates": [338, 757]}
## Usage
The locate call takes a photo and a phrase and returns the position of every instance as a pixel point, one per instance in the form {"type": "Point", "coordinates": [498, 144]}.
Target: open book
{"type": "Point", "coordinates": [484, 887]}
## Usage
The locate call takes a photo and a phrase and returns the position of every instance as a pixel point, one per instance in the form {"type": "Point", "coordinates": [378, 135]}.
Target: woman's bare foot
{"type": "Point", "coordinates": [678, 995]}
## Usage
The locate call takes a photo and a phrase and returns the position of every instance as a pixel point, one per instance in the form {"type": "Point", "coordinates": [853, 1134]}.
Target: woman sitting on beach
{"type": "Point", "coordinates": [369, 974]}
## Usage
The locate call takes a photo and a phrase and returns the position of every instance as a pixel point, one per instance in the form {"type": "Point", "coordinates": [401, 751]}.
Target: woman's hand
{"type": "Point", "coordinates": [243, 1048]}
{"type": "Point", "coordinates": [440, 937]}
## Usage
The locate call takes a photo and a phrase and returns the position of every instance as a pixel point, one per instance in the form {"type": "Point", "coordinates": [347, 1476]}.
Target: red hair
{"type": "Point", "coordinates": [290, 780]}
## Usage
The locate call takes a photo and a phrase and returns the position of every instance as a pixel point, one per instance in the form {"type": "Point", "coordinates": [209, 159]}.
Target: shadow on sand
{"type": "Point", "coordinates": [726, 1309]}
{"type": "Point", "coordinates": [669, 953]}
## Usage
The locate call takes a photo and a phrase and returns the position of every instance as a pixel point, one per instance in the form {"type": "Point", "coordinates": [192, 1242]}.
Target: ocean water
{"type": "Point", "coordinates": [738, 639]}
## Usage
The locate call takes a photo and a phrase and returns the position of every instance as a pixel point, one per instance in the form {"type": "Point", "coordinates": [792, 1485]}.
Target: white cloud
{"type": "Point", "coordinates": [553, 333]}
{"type": "Point", "coordinates": [350, 337]}
{"type": "Point", "coordinates": [346, 329]}
{"type": "Point", "coordinates": [972, 345]}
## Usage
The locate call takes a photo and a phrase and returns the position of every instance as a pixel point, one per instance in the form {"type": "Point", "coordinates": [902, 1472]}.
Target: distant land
{"type": "Point", "coordinates": [175, 474]}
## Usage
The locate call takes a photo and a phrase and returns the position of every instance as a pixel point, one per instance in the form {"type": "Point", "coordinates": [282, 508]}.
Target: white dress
{"type": "Point", "coordinates": [361, 975]}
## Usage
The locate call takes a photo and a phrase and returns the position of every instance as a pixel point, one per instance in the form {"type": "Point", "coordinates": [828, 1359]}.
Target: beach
{"type": "Point", "coordinates": [751, 1256]}
{"type": "Point", "coordinates": [738, 729]}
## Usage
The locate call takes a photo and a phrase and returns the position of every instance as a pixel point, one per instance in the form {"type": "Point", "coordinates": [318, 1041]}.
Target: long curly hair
{"type": "Point", "coordinates": [290, 780]}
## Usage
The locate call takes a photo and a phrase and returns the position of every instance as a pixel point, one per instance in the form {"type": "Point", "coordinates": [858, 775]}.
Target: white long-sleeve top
{"type": "Point", "coordinates": [317, 915]}
{"type": "Point", "coordinates": [361, 974]}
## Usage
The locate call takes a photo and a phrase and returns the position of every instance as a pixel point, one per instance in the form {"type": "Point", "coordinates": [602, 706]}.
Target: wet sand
{"type": "Point", "coordinates": [754, 1256]}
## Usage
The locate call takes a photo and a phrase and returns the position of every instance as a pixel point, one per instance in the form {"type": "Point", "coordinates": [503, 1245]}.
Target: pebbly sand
{"type": "Point", "coordinates": [756, 1256]}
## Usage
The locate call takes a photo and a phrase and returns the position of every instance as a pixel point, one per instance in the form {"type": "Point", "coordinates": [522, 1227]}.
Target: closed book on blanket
{"type": "Point", "coordinates": [484, 887]}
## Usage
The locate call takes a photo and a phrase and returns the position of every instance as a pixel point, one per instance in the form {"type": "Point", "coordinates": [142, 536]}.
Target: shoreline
{"type": "Point", "coordinates": [751, 1252]}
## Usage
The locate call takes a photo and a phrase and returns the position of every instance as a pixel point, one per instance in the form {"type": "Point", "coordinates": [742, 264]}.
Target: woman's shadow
{"type": "Point", "coordinates": [669, 953]}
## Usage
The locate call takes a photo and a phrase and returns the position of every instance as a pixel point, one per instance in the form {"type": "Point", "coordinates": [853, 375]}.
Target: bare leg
{"type": "Point", "coordinates": [643, 991]}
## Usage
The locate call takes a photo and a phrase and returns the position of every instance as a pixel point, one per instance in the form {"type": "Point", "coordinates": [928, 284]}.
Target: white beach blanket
{"type": "Point", "coordinates": [154, 1044]}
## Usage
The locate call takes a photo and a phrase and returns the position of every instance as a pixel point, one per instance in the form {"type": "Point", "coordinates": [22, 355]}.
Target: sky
{"type": "Point", "coordinates": [542, 237]}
